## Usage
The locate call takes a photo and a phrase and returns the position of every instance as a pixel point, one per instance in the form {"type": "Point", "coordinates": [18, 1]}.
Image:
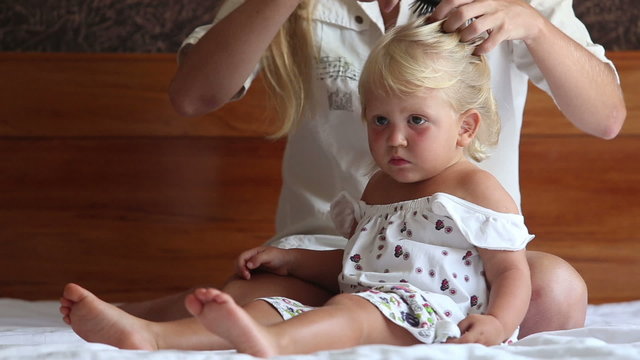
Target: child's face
{"type": "Point", "coordinates": [412, 138]}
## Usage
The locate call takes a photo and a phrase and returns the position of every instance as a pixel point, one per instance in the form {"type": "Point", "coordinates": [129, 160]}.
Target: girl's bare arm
{"type": "Point", "coordinates": [319, 267]}
{"type": "Point", "coordinates": [507, 272]}
{"type": "Point", "coordinates": [510, 291]}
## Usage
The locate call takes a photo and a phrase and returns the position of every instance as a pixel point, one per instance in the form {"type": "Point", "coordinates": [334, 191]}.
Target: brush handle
{"type": "Point", "coordinates": [424, 7]}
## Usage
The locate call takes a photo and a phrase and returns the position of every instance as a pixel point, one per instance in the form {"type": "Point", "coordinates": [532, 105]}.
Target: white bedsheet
{"type": "Point", "coordinates": [34, 330]}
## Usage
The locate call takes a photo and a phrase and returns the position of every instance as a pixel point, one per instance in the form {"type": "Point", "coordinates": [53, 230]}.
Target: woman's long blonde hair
{"type": "Point", "coordinates": [287, 67]}
{"type": "Point", "coordinates": [416, 56]}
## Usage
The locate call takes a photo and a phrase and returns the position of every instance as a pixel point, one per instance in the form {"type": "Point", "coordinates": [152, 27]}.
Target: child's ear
{"type": "Point", "coordinates": [469, 124]}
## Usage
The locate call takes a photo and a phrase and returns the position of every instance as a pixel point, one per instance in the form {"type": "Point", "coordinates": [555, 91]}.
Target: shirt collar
{"type": "Point", "coordinates": [373, 12]}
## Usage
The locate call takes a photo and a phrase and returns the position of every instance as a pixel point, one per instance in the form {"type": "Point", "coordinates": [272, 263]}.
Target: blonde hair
{"type": "Point", "coordinates": [416, 56]}
{"type": "Point", "coordinates": [287, 67]}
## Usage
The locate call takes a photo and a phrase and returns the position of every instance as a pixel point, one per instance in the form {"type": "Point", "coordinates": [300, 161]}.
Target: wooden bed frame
{"type": "Point", "coordinates": [101, 183]}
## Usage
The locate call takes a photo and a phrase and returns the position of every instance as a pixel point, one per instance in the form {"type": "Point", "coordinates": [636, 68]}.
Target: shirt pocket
{"type": "Point", "coordinates": [342, 30]}
{"type": "Point", "coordinates": [340, 14]}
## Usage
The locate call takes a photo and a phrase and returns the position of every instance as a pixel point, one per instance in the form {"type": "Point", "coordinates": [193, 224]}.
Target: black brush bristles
{"type": "Point", "coordinates": [424, 7]}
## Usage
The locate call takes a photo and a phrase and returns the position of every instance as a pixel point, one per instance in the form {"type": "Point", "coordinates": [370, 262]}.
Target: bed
{"type": "Point", "coordinates": [33, 330]}
{"type": "Point", "coordinates": [102, 184]}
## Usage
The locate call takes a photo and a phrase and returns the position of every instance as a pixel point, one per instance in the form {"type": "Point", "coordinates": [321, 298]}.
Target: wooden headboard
{"type": "Point", "coordinates": [101, 183]}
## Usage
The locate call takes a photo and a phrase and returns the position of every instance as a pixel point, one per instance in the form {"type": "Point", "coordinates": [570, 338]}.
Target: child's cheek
{"type": "Point", "coordinates": [422, 130]}
{"type": "Point", "coordinates": [420, 134]}
{"type": "Point", "coordinates": [376, 139]}
{"type": "Point", "coordinates": [372, 134]}
{"type": "Point", "coordinates": [377, 144]}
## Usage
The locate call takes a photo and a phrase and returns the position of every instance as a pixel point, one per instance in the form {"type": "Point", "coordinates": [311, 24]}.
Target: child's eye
{"type": "Point", "coordinates": [380, 120]}
{"type": "Point", "coordinates": [417, 120]}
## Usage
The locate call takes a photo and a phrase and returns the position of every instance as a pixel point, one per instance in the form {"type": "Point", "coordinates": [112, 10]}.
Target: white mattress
{"type": "Point", "coordinates": [34, 330]}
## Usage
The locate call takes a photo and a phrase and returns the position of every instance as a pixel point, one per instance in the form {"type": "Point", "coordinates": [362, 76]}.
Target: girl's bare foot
{"type": "Point", "coordinates": [97, 321]}
{"type": "Point", "coordinates": [222, 316]}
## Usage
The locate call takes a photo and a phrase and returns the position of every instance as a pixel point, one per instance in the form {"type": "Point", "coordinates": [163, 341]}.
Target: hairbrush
{"type": "Point", "coordinates": [424, 7]}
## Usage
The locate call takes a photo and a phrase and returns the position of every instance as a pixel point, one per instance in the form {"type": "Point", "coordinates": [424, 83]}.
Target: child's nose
{"type": "Point", "coordinates": [397, 137]}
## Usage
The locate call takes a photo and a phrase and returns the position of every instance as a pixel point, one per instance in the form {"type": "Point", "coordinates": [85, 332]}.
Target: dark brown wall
{"type": "Point", "coordinates": [148, 26]}
{"type": "Point", "coordinates": [160, 26]}
{"type": "Point", "coordinates": [615, 24]}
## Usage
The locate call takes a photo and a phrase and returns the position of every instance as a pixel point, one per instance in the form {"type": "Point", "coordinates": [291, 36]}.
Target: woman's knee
{"type": "Point", "coordinates": [558, 297]}
{"type": "Point", "coordinates": [553, 279]}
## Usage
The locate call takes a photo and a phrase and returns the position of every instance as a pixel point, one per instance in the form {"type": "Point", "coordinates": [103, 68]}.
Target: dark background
{"type": "Point", "coordinates": [152, 26]}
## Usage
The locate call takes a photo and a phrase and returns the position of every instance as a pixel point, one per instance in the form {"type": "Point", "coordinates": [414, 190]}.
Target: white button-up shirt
{"type": "Point", "coordinates": [328, 152]}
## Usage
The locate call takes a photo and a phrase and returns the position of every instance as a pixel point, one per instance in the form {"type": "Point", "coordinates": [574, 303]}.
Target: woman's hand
{"type": "Point", "coordinates": [500, 19]}
{"type": "Point", "coordinates": [269, 258]}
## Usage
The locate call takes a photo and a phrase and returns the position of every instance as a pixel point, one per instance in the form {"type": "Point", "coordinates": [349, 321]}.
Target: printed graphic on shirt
{"type": "Point", "coordinates": [336, 67]}
{"type": "Point", "coordinates": [340, 100]}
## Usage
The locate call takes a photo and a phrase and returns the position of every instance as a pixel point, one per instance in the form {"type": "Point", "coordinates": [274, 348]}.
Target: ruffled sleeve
{"type": "Point", "coordinates": [345, 214]}
{"type": "Point", "coordinates": [483, 227]}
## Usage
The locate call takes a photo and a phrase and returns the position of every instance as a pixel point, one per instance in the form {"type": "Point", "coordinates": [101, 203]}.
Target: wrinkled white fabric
{"type": "Point", "coordinates": [34, 330]}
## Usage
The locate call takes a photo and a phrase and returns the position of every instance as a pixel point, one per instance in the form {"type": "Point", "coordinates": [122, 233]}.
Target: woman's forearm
{"type": "Point", "coordinates": [585, 88]}
{"type": "Point", "coordinates": [213, 70]}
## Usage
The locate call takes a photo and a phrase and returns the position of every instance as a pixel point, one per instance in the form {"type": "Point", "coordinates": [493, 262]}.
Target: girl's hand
{"type": "Point", "coordinates": [481, 329]}
{"type": "Point", "coordinates": [501, 19]}
{"type": "Point", "coordinates": [269, 258]}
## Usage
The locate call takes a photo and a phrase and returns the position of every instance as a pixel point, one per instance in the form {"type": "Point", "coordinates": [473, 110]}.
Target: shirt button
{"type": "Point", "coordinates": [359, 19]}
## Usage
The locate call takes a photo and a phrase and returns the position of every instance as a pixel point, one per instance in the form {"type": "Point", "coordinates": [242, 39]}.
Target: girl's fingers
{"type": "Point", "coordinates": [245, 258]}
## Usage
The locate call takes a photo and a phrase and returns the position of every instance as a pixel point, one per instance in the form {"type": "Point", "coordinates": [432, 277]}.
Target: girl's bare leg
{"type": "Point", "coordinates": [553, 279]}
{"type": "Point", "coordinates": [344, 321]}
{"type": "Point", "coordinates": [222, 316]}
{"type": "Point", "coordinates": [243, 291]}
{"type": "Point", "coordinates": [166, 308]}
{"type": "Point", "coordinates": [97, 321]}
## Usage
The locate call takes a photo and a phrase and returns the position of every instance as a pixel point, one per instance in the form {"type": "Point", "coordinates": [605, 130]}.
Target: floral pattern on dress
{"type": "Point", "coordinates": [404, 244]}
